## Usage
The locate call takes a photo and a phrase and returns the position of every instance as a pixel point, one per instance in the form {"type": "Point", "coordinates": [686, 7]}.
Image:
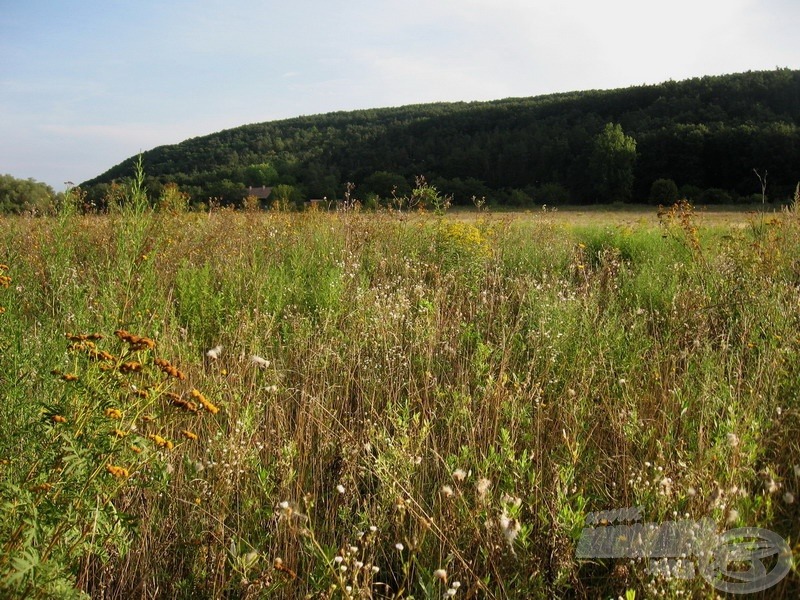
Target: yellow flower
{"type": "Point", "coordinates": [161, 442]}
{"type": "Point", "coordinates": [117, 471]}
{"type": "Point", "coordinates": [135, 449]}
{"type": "Point", "coordinates": [59, 419]}
{"type": "Point", "coordinates": [119, 433]}
{"type": "Point", "coordinates": [113, 413]}
{"type": "Point", "coordinates": [188, 434]}
{"type": "Point", "coordinates": [206, 404]}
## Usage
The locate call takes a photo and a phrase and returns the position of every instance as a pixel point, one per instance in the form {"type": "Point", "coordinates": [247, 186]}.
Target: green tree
{"type": "Point", "coordinates": [611, 164]}
{"type": "Point", "coordinates": [284, 195]}
{"type": "Point", "coordinates": [383, 183]}
{"type": "Point", "coordinates": [664, 191]}
{"type": "Point", "coordinates": [25, 195]}
{"type": "Point", "coordinates": [260, 174]}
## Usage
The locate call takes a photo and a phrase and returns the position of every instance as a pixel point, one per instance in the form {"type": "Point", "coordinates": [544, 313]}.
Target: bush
{"type": "Point", "coordinates": [664, 191]}
{"type": "Point", "coordinates": [690, 192]}
{"type": "Point", "coordinates": [552, 193]}
{"type": "Point", "coordinates": [715, 196]}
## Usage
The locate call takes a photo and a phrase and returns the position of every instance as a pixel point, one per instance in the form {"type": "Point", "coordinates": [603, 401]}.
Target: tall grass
{"type": "Point", "coordinates": [418, 407]}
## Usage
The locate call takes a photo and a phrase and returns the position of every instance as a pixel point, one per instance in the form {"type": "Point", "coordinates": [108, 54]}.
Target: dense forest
{"type": "Point", "coordinates": [710, 139]}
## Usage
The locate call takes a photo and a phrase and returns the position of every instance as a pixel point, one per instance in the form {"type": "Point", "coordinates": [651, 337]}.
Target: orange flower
{"type": "Point", "coordinates": [119, 472]}
{"type": "Point", "coordinates": [161, 442]}
{"type": "Point", "coordinates": [113, 413]}
{"type": "Point", "coordinates": [119, 433]}
{"type": "Point", "coordinates": [135, 449]}
{"type": "Point", "coordinates": [188, 434]}
{"type": "Point", "coordinates": [206, 404]}
{"type": "Point", "coordinates": [69, 377]}
{"type": "Point", "coordinates": [130, 367]}
{"type": "Point", "coordinates": [59, 419]}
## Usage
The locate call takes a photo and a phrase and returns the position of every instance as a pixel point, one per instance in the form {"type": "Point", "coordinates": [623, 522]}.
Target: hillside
{"type": "Point", "coordinates": [702, 133]}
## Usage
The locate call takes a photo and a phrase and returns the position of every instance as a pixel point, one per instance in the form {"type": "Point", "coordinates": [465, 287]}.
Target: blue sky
{"type": "Point", "coordinates": [85, 84]}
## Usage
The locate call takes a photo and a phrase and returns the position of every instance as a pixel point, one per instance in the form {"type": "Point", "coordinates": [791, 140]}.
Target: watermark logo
{"type": "Point", "coordinates": [736, 561]}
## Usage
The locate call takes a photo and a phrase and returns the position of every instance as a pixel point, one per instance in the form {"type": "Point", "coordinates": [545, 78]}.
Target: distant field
{"type": "Point", "coordinates": [354, 405]}
{"type": "Point", "coordinates": [633, 215]}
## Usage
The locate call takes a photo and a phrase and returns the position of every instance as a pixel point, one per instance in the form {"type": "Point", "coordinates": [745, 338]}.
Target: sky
{"type": "Point", "coordinates": [85, 84]}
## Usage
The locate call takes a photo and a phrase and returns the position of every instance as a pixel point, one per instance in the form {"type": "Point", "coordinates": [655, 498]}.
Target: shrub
{"type": "Point", "coordinates": [663, 191]}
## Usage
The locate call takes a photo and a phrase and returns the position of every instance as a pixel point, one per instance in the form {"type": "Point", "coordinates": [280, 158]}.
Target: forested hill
{"type": "Point", "coordinates": [706, 134]}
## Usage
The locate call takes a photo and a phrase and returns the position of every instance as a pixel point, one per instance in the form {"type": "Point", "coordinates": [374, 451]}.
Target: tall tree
{"type": "Point", "coordinates": [611, 164]}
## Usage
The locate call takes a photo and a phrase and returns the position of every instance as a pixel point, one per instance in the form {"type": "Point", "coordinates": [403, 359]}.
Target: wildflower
{"type": "Point", "coordinates": [113, 413]}
{"type": "Point", "coordinates": [119, 472]}
{"type": "Point", "coordinates": [455, 585]}
{"type": "Point", "coordinates": [399, 546]}
{"type": "Point", "coordinates": [375, 569]}
{"type": "Point", "coordinates": [788, 497]}
{"type": "Point", "coordinates": [459, 474]}
{"type": "Point", "coordinates": [440, 574]}
{"type": "Point", "coordinates": [135, 449]}
{"type": "Point", "coordinates": [69, 377]}
{"type": "Point", "coordinates": [59, 419]}
{"type": "Point", "coordinates": [204, 402]}
{"type": "Point", "coordinates": [130, 367]}
{"type": "Point", "coordinates": [279, 566]}
{"type": "Point", "coordinates": [184, 404]}
{"type": "Point", "coordinates": [188, 434]}
{"type": "Point", "coordinates": [340, 488]}
{"type": "Point", "coordinates": [262, 363]}
{"type": "Point", "coordinates": [160, 441]}
{"type": "Point", "coordinates": [733, 440]}
{"type": "Point", "coordinates": [733, 516]}
{"type": "Point", "coordinates": [119, 433]}
{"type": "Point", "coordinates": [214, 352]}
{"type": "Point", "coordinates": [447, 491]}
{"type": "Point", "coordinates": [772, 487]}
{"type": "Point", "coordinates": [169, 369]}
{"type": "Point", "coordinates": [451, 592]}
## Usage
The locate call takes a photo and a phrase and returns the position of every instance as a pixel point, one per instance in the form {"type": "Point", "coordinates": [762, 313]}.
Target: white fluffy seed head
{"type": "Point", "coordinates": [261, 363]}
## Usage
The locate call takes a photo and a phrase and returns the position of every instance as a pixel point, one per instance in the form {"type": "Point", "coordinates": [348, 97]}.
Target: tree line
{"type": "Point", "coordinates": [701, 138]}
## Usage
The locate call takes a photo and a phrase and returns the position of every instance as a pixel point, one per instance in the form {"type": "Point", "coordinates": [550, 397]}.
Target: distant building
{"type": "Point", "coordinates": [262, 193]}
{"type": "Point", "coordinates": [316, 204]}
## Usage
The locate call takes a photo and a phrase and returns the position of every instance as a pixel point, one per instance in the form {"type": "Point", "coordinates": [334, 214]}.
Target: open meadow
{"type": "Point", "coordinates": [350, 404]}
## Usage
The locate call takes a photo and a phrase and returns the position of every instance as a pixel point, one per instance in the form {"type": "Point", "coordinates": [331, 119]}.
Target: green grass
{"type": "Point", "coordinates": [441, 393]}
